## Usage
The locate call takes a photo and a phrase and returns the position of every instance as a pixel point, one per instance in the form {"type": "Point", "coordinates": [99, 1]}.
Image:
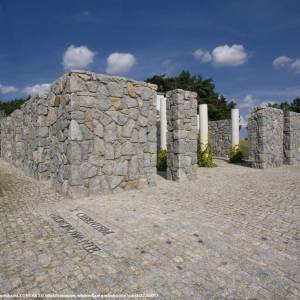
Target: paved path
{"type": "Point", "coordinates": [231, 234]}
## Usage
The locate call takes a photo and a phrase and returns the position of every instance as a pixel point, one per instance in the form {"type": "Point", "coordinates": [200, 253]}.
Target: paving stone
{"type": "Point", "coordinates": [232, 233]}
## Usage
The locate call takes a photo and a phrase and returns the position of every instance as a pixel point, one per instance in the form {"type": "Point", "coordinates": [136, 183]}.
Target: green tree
{"type": "Point", "coordinates": [218, 107]}
{"type": "Point", "coordinates": [7, 107]}
{"type": "Point", "coordinates": [293, 106]}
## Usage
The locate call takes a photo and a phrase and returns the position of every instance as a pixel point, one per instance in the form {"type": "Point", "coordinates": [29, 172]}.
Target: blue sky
{"type": "Point", "coordinates": [238, 42]}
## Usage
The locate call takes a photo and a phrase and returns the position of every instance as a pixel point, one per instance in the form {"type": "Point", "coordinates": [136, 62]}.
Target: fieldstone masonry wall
{"type": "Point", "coordinates": [91, 134]}
{"type": "Point", "coordinates": [25, 138]}
{"type": "Point", "coordinates": [220, 137]}
{"type": "Point", "coordinates": [274, 137]}
{"type": "Point", "coordinates": [291, 140]}
{"type": "Point", "coordinates": [265, 130]}
{"type": "Point", "coordinates": [182, 134]}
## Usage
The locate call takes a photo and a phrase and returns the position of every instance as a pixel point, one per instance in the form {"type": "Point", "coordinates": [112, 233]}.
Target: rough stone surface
{"type": "Point", "coordinates": [265, 132]}
{"type": "Point", "coordinates": [219, 136]}
{"type": "Point", "coordinates": [25, 138]}
{"type": "Point", "coordinates": [291, 139]}
{"type": "Point", "coordinates": [182, 134]}
{"type": "Point", "coordinates": [87, 120]}
{"type": "Point", "coordinates": [233, 233]}
{"type": "Point", "coordinates": [274, 137]}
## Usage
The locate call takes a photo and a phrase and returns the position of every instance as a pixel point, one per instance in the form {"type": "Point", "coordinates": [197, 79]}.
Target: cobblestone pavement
{"type": "Point", "coordinates": [231, 234]}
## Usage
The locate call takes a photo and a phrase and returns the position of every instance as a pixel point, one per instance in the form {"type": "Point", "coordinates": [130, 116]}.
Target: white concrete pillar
{"type": "Point", "coordinates": [163, 123]}
{"type": "Point", "coordinates": [198, 123]}
{"type": "Point", "coordinates": [235, 127]}
{"type": "Point", "coordinates": [203, 126]}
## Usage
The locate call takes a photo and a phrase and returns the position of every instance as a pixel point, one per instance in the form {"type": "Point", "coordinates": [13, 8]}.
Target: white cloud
{"type": "Point", "coordinates": [120, 63]}
{"type": "Point", "coordinates": [246, 106]}
{"type": "Point", "coordinates": [282, 62]}
{"type": "Point", "coordinates": [244, 120]}
{"type": "Point", "coordinates": [229, 56]}
{"type": "Point", "coordinates": [296, 65]}
{"type": "Point", "coordinates": [280, 93]}
{"type": "Point", "coordinates": [247, 102]}
{"type": "Point", "coordinates": [6, 89]}
{"type": "Point", "coordinates": [78, 57]}
{"type": "Point", "coordinates": [285, 62]}
{"type": "Point", "coordinates": [202, 55]}
{"type": "Point", "coordinates": [37, 89]}
{"type": "Point", "coordinates": [223, 56]}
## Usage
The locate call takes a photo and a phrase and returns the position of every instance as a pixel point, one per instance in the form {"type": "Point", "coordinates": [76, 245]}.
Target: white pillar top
{"type": "Point", "coordinates": [203, 115]}
{"type": "Point", "coordinates": [235, 127]}
{"type": "Point", "coordinates": [163, 123]}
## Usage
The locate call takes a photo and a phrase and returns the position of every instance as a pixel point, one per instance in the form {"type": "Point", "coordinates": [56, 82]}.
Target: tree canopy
{"type": "Point", "coordinates": [7, 107]}
{"type": "Point", "coordinates": [218, 107]}
{"type": "Point", "coordinates": [293, 106]}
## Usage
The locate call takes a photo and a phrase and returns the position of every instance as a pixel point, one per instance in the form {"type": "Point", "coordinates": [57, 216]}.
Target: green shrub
{"type": "Point", "coordinates": [162, 160]}
{"type": "Point", "coordinates": [244, 147]}
{"type": "Point", "coordinates": [204, 158]}
{"type": "Point", "coordinates": [235, 155]}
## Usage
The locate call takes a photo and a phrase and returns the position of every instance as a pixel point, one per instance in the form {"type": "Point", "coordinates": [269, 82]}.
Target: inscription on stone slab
{"type": "Point", "coordinates": [86, 244]}
{"type": "Point", "coordinates": [98, 226]}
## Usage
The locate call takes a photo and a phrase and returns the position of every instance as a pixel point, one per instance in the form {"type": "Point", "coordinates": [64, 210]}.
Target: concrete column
{"type": "Point", "coordinates": [182, 134]}
{"type": "Point", "coordinates": [163, 123]}
{"type": "Point", "coordinates": [198, 123]}
{"type": "Point", "coordinates": [203, 126]}
{"type": "Point", "coordinates": [235, 127]}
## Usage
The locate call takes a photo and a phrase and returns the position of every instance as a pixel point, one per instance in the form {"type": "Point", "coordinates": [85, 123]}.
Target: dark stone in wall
{"type": "Point", "coordinates": [182, 134]}
{"type": "Point", "coordinates": [219, 133]}
{"type": "Point", "coordinates": [291, 139]}
{"type": "Point", "coordinates": [274, 137]}
{"type": "Point", "coordinates": [265, 130]}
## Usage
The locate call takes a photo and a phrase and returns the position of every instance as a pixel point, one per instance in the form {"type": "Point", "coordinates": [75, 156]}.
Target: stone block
{"type": "Point", "coordinates": [75, 133]}
{"type": "Point", "coordinates": [128, 128]}
{"type": "Point", "coordinates": [219, 133]}
{"type": "Point", "coordinates": [265, 130]}
{"type": "Point", "coordinates": [75, 178]}
{"type": "Point", "coordinates": [120, 167]}
{"type": "Point", "coordinates": [99, 146]}
{"type": "Point", "coordinates": [115, 89]}
{"type": "Point", "coordinates": [90, 134]}
{"type": "Point", "coordinates": [181, 143]}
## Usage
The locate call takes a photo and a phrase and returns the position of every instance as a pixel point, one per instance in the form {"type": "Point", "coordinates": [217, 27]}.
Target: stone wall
{"type": "Point", "coordinates": [182, 134]}
{"type": "Point", "coordinates": [220, 137]}
{"type": "Point", "coordinates": [291, 139]}
{"type": "Point", "coordinates": [265, 131]}
{"type": "Point", "coordinates": [92, 134]}
{"type": "Point", "coordinates": [25, 138]}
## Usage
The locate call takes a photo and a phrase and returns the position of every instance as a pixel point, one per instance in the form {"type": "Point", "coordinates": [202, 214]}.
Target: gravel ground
{"type": "Point", "coordinates": [233, 233]}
